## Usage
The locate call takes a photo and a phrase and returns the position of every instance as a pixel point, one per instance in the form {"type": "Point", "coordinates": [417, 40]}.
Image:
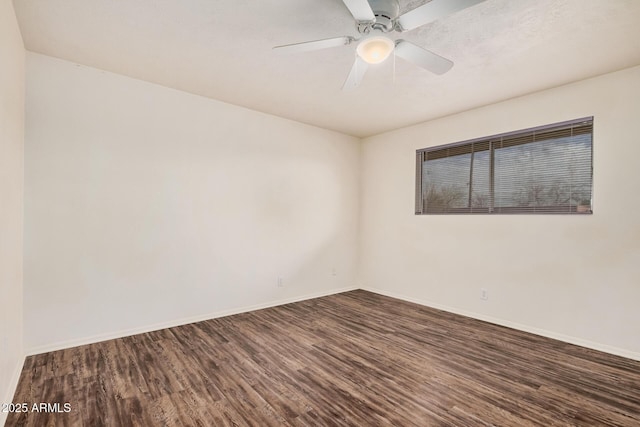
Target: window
{"type": "Point", "coordinates": [546, 169]}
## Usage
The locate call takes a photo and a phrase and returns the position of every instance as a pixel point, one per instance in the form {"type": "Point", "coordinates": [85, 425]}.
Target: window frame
{"type": "Point", "coordinates": [420, 207]}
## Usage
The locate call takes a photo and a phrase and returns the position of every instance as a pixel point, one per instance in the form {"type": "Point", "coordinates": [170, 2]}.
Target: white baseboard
{"type": "Point", "coordinates": [178, 322]}
{"type": "Point", "coordinates": [11, 391]}
{"type": "Point", "coordinates": [525, 328]}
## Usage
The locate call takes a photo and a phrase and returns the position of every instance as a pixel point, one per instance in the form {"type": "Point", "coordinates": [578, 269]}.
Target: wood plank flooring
{"type": "Point", "coordinates": [352, 359]}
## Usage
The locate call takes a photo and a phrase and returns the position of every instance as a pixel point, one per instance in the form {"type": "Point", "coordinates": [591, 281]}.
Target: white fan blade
{"type": "Point", "coordinates": [360, 9]}
{"type": "Point", "coordinates": [422, 57]}
{"type": "Point", "coordinates": [432, 11]}
{"type": "Point", "coordinates": [356, 74]}
{"type": "Point", "coordinates": [314, 45]}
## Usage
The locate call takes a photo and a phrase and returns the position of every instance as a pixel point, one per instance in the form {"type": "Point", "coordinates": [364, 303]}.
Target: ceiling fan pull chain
{"type": "Point", "coordinates": [394, 67]}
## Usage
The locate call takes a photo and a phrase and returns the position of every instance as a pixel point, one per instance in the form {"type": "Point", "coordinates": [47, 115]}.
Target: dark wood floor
{"type": "Point", "coordinates": [355, 358]}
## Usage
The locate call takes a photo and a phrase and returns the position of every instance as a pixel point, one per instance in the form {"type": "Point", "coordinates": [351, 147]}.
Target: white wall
{"type": "Point", "coordinates": [572, 277]}
{"type": "Point", "coordinates": [12, 59]}
{"type": "Point", "coordinates": [147, 207]}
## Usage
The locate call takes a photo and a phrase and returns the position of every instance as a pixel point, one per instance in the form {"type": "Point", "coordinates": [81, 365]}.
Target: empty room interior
{"type": "Point", "coordinates": [305, 213]}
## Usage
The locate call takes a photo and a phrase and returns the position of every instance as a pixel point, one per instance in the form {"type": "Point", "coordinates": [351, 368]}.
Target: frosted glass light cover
{"type": "Point", "coordinates": [375, 50]}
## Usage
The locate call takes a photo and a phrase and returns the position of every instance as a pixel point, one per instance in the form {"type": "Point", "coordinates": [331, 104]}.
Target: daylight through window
{"type": "Point", "coordinates": [546, 169]}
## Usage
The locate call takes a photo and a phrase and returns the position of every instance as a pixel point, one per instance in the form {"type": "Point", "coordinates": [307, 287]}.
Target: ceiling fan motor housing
{"type": "Point", "coordinates": [386, 11]}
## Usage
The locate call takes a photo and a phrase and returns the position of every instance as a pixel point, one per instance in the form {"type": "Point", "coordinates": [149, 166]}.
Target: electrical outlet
{"type": "Point", "coordinates": [484, 294]}
{"type": "Point", "coordinates": [334, 272]}
{"type": "Point", "coordinates": [280, 282]}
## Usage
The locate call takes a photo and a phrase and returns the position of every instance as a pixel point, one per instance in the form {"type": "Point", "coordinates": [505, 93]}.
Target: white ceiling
{"type": "Point", "coordinates": [222, 50]}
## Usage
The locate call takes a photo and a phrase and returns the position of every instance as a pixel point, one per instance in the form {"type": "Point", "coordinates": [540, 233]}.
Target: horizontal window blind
{"type": "Point", "coordinates": [546, 169]}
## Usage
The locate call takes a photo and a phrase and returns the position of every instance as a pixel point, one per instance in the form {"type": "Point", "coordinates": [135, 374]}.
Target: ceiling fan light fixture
{"type": "Point", "coordinates": [375, 50]}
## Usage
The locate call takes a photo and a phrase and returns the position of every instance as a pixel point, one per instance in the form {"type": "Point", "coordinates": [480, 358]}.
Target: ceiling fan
{"type": "Point", "coordinates": [374, 19]}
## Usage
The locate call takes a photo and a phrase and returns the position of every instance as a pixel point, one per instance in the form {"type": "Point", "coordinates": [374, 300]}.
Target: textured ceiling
{"type": "Point", "coordinates": [222, 50]}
